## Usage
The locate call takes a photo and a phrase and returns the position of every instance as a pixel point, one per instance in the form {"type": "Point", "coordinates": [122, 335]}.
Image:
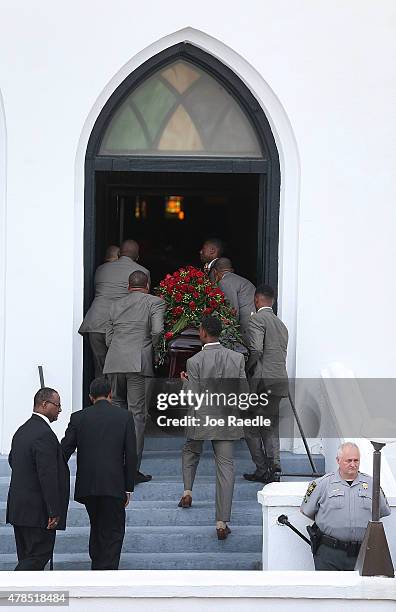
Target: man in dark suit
{"type": "Point", "coordinates": [104, 436]}
{"type": "Point", "coordinates": [266, 369]}
{"type": "Point", "coordinates": [39, 490]}
{"type": "Point", "coordinates": [111, 283]}
{"type": "Point", "coordinates": [211, 250]}
{"type": "Point", "coordinates": [132, 334]}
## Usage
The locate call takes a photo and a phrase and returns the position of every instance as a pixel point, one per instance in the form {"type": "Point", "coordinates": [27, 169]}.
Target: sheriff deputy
{"type": "Point", "coordinates": [340, 504]}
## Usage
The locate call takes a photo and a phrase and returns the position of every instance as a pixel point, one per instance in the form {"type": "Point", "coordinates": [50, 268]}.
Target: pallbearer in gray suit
{"type": "Point", "coordinates": [135, 324]}
{"type": "Point", "coordinates": [111, 283]}
{"type": "Point", "coordinates": [213, 369]}
{"type": "Point", "coordinates": [266, 368]}
{"type": "Point", "coordinates": [238, 290]}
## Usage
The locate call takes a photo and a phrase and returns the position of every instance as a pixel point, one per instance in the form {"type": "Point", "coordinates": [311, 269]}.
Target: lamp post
{"type": "Point", "coordinates": [374, 557]}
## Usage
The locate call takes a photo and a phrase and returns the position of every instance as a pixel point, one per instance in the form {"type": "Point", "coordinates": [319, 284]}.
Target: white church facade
{"type": "Point", "coordinates": [315, 84]}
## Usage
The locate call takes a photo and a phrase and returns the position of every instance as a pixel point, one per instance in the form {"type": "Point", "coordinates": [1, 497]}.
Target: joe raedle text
{"type": "Point", "coordinates": [210, 421]}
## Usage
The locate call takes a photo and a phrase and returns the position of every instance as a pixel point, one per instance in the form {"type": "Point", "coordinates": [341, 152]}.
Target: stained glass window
{"type": "Point", "coordinates": [180, 110]}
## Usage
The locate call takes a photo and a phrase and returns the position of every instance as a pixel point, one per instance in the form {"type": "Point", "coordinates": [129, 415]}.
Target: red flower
{"type": "Point", "coordinates": [208, 290]}
{"type": "Point", "coordinates": [207, 311]}
{"type": "Point", "coordinates": [200, 280]}
{"type": "Point", "coordinates": [168, 335]}
{"type": "Point", "coordinates": [195, 294]}
{"type": "Point", "coordinates": [178, 297]}
{"type": "Point", "coordinates": [178, 310]}
{"type": "Point", "coordinates": [192, 305]}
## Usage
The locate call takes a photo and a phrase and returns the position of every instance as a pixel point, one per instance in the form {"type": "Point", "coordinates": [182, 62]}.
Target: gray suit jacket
{"type": "Point", "coordinates": [267, 339]}
{"type": "Point", "coordinates": [216, 369]}
{"type": "Point", "coordinates": [111, 283]}
{"type": "Point", "coordinates": [135, 325]}
{"type": "Point", "coordinates": [240, 293]}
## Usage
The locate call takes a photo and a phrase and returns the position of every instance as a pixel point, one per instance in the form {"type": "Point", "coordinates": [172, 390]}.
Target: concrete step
{"type": "Point", "coordinates": [154, 539]}
{"type": "Point", "coordinates": [161, 463]}
{"type": "Point", "coordinates": [171, 489]}
{"type": "Point", "coordinates": [143, 513]}
{"type": "Point", "coordinates": [154, 561]}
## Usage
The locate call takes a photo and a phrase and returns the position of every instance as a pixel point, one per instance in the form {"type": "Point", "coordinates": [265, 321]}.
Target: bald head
{"type": "Point", "coordinates": [130, 248]}
{"type": "Point", "coordinates": [221, 266]}
{"type": "Point", "coordinates": [112, 253]}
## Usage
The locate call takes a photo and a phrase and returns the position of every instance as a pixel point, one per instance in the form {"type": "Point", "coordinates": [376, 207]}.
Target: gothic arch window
{"type": "Point", "coordinates": [183, 110]}
{"type": "Point", "coordinates": [180, 110]}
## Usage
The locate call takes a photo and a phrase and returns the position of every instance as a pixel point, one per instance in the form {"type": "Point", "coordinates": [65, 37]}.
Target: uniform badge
{"type": "Point", "coordinates": [310, 489]}
{"type": "Point", "coordinates": [364, 485]}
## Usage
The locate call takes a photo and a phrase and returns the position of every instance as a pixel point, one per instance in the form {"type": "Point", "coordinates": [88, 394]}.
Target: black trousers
{"type": "Point", "coordinates": [107, 518]}
{"type": "Point", "coordinates": [331, 559]}
{"type": "Point", "coordinates": [35, 546]}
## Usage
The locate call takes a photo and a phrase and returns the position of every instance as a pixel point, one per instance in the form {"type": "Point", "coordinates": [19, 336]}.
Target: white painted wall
{"type": "Point", "coordinates": [323, 71]}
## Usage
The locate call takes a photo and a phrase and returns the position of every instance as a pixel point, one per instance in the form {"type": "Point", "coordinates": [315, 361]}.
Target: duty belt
{"type": "Point", "coordinates": [351, 548]}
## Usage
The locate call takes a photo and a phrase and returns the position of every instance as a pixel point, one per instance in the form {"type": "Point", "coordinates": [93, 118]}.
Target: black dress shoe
{"type": "Point", "coordinates": [256, 477]}
{"type": "Point", "coordinates": [142, 478]}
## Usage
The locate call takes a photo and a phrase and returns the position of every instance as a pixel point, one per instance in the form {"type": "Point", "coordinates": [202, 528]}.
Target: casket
{"type": "Point", "coordinates": [180, 348]}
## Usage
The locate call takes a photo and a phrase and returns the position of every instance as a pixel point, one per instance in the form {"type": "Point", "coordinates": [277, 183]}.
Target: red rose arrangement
{"type": "Point", "coordinates": [189, 295]}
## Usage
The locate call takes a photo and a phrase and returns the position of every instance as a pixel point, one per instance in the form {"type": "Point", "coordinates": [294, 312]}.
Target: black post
{"type": "Point", "coordinates": [41, 376]}
{"type": "Point", "coordinates": [304, 439]}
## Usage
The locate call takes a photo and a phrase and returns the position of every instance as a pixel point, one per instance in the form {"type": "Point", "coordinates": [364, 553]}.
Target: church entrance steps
{"type": "Point", "coordinates": [159, 535]}
{"type": "Point", "coordinates": [154, 561]}
{"type": "Point", "coordinates": [155, 539]}
{"type": "Point", "coordinates": [166, 513]}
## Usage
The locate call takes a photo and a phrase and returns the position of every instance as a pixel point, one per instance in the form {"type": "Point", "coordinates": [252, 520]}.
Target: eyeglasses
{"type": "Point", "coordinates": [53, 403]}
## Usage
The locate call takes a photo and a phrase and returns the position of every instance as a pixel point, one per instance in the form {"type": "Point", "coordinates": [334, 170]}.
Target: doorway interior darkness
{"type": "Point", "coordinates": [170, 214]}
{"type": "Point", "coordinates": [227, 182]}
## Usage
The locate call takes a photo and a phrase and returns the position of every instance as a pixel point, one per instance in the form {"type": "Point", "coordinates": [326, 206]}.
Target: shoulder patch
{"type": "Point", "coordinates": [310, 490]}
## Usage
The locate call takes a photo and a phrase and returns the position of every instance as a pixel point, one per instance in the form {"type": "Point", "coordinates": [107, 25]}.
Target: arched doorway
{"type": "Point", "coordinates": [182, 125]}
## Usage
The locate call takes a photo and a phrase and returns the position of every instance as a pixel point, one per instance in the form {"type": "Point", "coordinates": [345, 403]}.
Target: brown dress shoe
{"type": "Point", "coordinates": [185, 502]}
{"type": "Point", "coordinates": [223, 533]}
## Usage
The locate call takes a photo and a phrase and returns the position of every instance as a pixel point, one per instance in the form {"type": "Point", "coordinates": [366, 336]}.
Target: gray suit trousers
{"type": "Point", "coordinates": [264, 444]}
{"type": "Point", "coordinates": [99, 351]}
{"type": "Point", "coordinates": [225, 476]}
{"type": "Point", "coordinates": [129, 391]}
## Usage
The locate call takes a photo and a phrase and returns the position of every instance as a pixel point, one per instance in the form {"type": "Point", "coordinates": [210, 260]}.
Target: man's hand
{"type": "Point", "coordinates": [183, 375]}
{"type": "Point", "coordinates": [53, 522]}
{"type": "Point", "coordinates": [128, 497]}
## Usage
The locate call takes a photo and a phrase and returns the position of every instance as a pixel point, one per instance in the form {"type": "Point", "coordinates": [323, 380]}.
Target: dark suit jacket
{"type": "Point", "coordinates": [104, 436]}
{"type": "Point", "coordinates": [40, 477]}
